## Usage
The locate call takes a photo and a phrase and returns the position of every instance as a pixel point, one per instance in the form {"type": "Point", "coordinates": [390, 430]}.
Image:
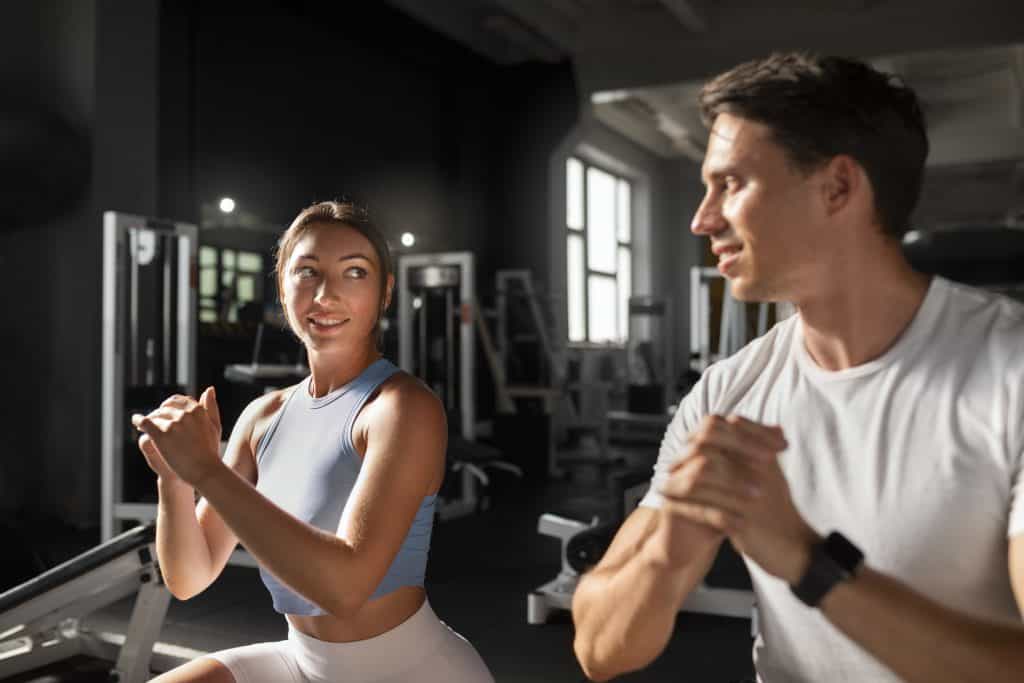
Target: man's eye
{"type": "Point", "coordinates": [732, 183]}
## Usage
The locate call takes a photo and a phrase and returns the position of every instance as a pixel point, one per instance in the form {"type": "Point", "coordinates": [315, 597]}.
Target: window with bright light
{"type": "Point", "coordinates": [228, 279]}
{"type": "Point", "coordinates": [598, 222]}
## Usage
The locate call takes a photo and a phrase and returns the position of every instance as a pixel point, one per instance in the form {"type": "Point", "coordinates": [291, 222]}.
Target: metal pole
{"type": "Point", "coordinates": [449, 349]}
{"type": "Point", "coordinates": [133, 306]}
{"type": "Point", "coordinates": [167, 252]}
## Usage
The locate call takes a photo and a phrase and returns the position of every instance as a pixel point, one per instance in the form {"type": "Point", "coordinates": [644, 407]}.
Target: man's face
{"type": "Point", "coordinates": [762, 215]}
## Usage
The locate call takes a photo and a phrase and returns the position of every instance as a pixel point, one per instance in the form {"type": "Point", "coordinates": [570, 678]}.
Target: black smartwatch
{"type": "Point", "coordinates": [833, 560]}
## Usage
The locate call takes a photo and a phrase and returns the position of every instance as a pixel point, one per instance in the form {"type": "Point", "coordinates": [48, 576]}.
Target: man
{"type": "Point", "coordinates": [889, 410]}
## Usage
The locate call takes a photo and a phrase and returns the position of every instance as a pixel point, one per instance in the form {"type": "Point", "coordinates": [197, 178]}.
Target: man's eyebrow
{"type": "Point", "coordinates": [718, 172]}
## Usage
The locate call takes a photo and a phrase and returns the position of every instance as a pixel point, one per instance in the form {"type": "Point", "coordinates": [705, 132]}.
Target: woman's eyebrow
{"type": "Point", "coordinates": [356, 255]}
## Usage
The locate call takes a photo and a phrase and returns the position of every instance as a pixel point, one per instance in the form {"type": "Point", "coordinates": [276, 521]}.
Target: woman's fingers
{"type": "Point", "coordinates": [209, 402]}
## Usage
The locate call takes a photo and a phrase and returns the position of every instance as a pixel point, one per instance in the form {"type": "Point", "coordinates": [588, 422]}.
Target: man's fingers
{"type": "Point", "coordinates": [717, 518]}
{"type": "Point", "coordinates": [715, 467]}
{"type": "Point", "coordinates": [714, 495]}
{"type": "Point", "coordinates": [741, 441]}
{"type": "Point", "coordinates": [770, 434]}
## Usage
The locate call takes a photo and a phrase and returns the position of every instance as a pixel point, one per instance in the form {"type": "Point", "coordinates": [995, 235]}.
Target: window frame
{"type": "Point", "coordinates": [584, 233]}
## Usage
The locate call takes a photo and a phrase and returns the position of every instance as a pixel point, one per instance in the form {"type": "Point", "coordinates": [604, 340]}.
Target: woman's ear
{"type": "Point", "coordinates": [388, 289]}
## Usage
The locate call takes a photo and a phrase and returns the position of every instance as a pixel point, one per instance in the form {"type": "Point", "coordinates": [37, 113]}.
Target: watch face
{"type": "Point", "coordinates": [832, 561]}
{"type": "Point", "coordinates": [844, 553]}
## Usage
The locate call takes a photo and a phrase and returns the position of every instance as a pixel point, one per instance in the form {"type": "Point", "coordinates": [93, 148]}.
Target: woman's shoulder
{"type": "Point", "coordinates": [269, 403]}
{"type": "Point", "coordinates": [402, 391]}
{"type": "Point", "coordinates": [257, 417]}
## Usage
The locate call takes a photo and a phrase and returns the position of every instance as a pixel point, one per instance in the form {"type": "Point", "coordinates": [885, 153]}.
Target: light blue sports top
{"type": "Point", "coordinates": [308, 466]}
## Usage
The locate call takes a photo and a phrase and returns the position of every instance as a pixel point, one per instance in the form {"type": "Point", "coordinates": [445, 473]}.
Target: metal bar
{"type": "Point", "coordinates": [467, 348]}
{"type": "Point", "coordinates": [422, 368]}
{"type": "Point", "coordinates": [144, 628]}
{"type": "Point", "coordinates": [188, 249]}
{"type": "Point", "coordinates": [112, 375]}
{"type": "Point", "coordinates": [133, 305]}
{"type": "Point", "coordinates": [502, 398]}
{"type": "Point", "coordinates": [762, 318]}
{"type": "Point", "coordinates": [405, 314]}
{"type": "Point", "coordinates": [167, 252]}
{"type": "Point", "coordinates": [449, 348]}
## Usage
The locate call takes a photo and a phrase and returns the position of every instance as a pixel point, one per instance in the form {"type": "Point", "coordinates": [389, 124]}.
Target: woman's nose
{"type": "Point", "coordinates": [325, 292]}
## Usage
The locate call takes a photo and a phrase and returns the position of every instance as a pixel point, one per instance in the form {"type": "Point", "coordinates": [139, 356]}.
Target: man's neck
{"type": "Point", "coordinates": [862, 311]}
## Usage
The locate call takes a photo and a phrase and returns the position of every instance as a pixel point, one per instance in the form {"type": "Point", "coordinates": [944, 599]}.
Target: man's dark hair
{"type": "Point", "coordinates": [821, 107]}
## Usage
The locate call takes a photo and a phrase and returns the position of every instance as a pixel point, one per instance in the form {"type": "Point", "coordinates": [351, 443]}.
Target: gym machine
{"type": "Point", "coordinates": [990, 256]}
{"type": "Point", "coordinates": [583, 544]}
{"type": "Point", "coordinates": [436, 342]}
{"type": "Point", "coordinates": [732, 334]}
{"type": "Point", "coordinates": [41, 620]}
{"type": "Point", "coordinates": [149, 345]}
{"type": "Point", "coordinates": [651, 372]}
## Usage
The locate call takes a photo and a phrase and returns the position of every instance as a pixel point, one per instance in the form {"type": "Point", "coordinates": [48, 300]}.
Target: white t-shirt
{"type": "Point", "coordinates": [917, 457]}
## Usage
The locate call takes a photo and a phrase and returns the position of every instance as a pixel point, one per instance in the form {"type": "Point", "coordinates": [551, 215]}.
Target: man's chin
{"type": "Point", "coordinates": [747, 291]}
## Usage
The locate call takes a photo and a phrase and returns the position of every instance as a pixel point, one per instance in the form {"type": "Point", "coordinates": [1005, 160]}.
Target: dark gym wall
{"type": "Point", "coordinates": [48, 68]}
{"type": "Point", "coordinates": [92, 65]}
{"type": "Point", "coordinates": [276, 104]}
{"type": "Point", "coordinates": [286, 103]}
{"type": "Point", "coordinates": [538, 107]}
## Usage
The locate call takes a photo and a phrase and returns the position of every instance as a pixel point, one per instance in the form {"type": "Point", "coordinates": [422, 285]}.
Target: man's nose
{"type": "Point", "coordinates": [708, 219]}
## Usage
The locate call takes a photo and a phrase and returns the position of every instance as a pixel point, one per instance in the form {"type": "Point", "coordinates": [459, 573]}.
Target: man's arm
{"type": "Point", "coordinates": [625, 608]}
{"type": "Point", "coordinates": [916, 637]}
{"type": "Point", "coordinates": [923, 641]}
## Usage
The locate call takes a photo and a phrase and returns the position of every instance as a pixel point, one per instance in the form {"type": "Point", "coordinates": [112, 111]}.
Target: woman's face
{"type": "Point", "coordinates": [331, 289]}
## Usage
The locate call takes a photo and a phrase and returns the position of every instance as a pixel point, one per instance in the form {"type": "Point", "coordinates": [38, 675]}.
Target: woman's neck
{"type": "Point", "coordinates": [330, 371]}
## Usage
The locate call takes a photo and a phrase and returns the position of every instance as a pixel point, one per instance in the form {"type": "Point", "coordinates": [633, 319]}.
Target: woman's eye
{"type": "Point", "coordinates": [732, 183]}
{"type": "Point", "coordinates": [355, 272]}
{"type": "Point", "coordinates": [304, 272]}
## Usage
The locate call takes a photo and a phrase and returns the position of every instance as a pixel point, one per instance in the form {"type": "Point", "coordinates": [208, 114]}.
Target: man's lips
{"type": "Point", "coordinates": [727, 255]}
{"type": "Point", "coordinates": [725, 249]}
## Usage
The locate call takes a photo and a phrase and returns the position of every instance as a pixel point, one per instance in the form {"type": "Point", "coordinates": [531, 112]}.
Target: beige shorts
{"type": "Point", "coordinates": [421, 649]}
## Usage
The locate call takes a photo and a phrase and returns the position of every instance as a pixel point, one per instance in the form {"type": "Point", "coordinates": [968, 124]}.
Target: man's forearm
{"type": "Point", "coordinates": [625, 616]}
{"type": "Point", "coordinates": [919, 639]}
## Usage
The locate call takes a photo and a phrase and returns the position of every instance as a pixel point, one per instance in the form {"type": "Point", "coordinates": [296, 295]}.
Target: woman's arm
{"type": "Point", "coordinates": [193, 542]}
{"type": "Point", "coordinates": [406, 439]}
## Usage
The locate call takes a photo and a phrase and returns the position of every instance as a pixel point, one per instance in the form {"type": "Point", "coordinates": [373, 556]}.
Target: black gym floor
{"type": "Point", "coordinates": [480, 571]}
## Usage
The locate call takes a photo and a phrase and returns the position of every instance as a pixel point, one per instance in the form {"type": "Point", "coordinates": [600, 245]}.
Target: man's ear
{"type": "Point", "coordinates": [842, 180]}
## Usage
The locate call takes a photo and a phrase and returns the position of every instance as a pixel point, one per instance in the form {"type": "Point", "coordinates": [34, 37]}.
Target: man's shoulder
{"type": "Point", "coordinates": [773, 346]}
{"type": "Point", "coordinates": [761, 359]}
{"type": "Point", "coordinates": [986, 317]}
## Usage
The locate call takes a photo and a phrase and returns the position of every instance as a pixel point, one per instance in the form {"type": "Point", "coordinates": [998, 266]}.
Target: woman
{"type": "Point", "coordinates": [329, 484]}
